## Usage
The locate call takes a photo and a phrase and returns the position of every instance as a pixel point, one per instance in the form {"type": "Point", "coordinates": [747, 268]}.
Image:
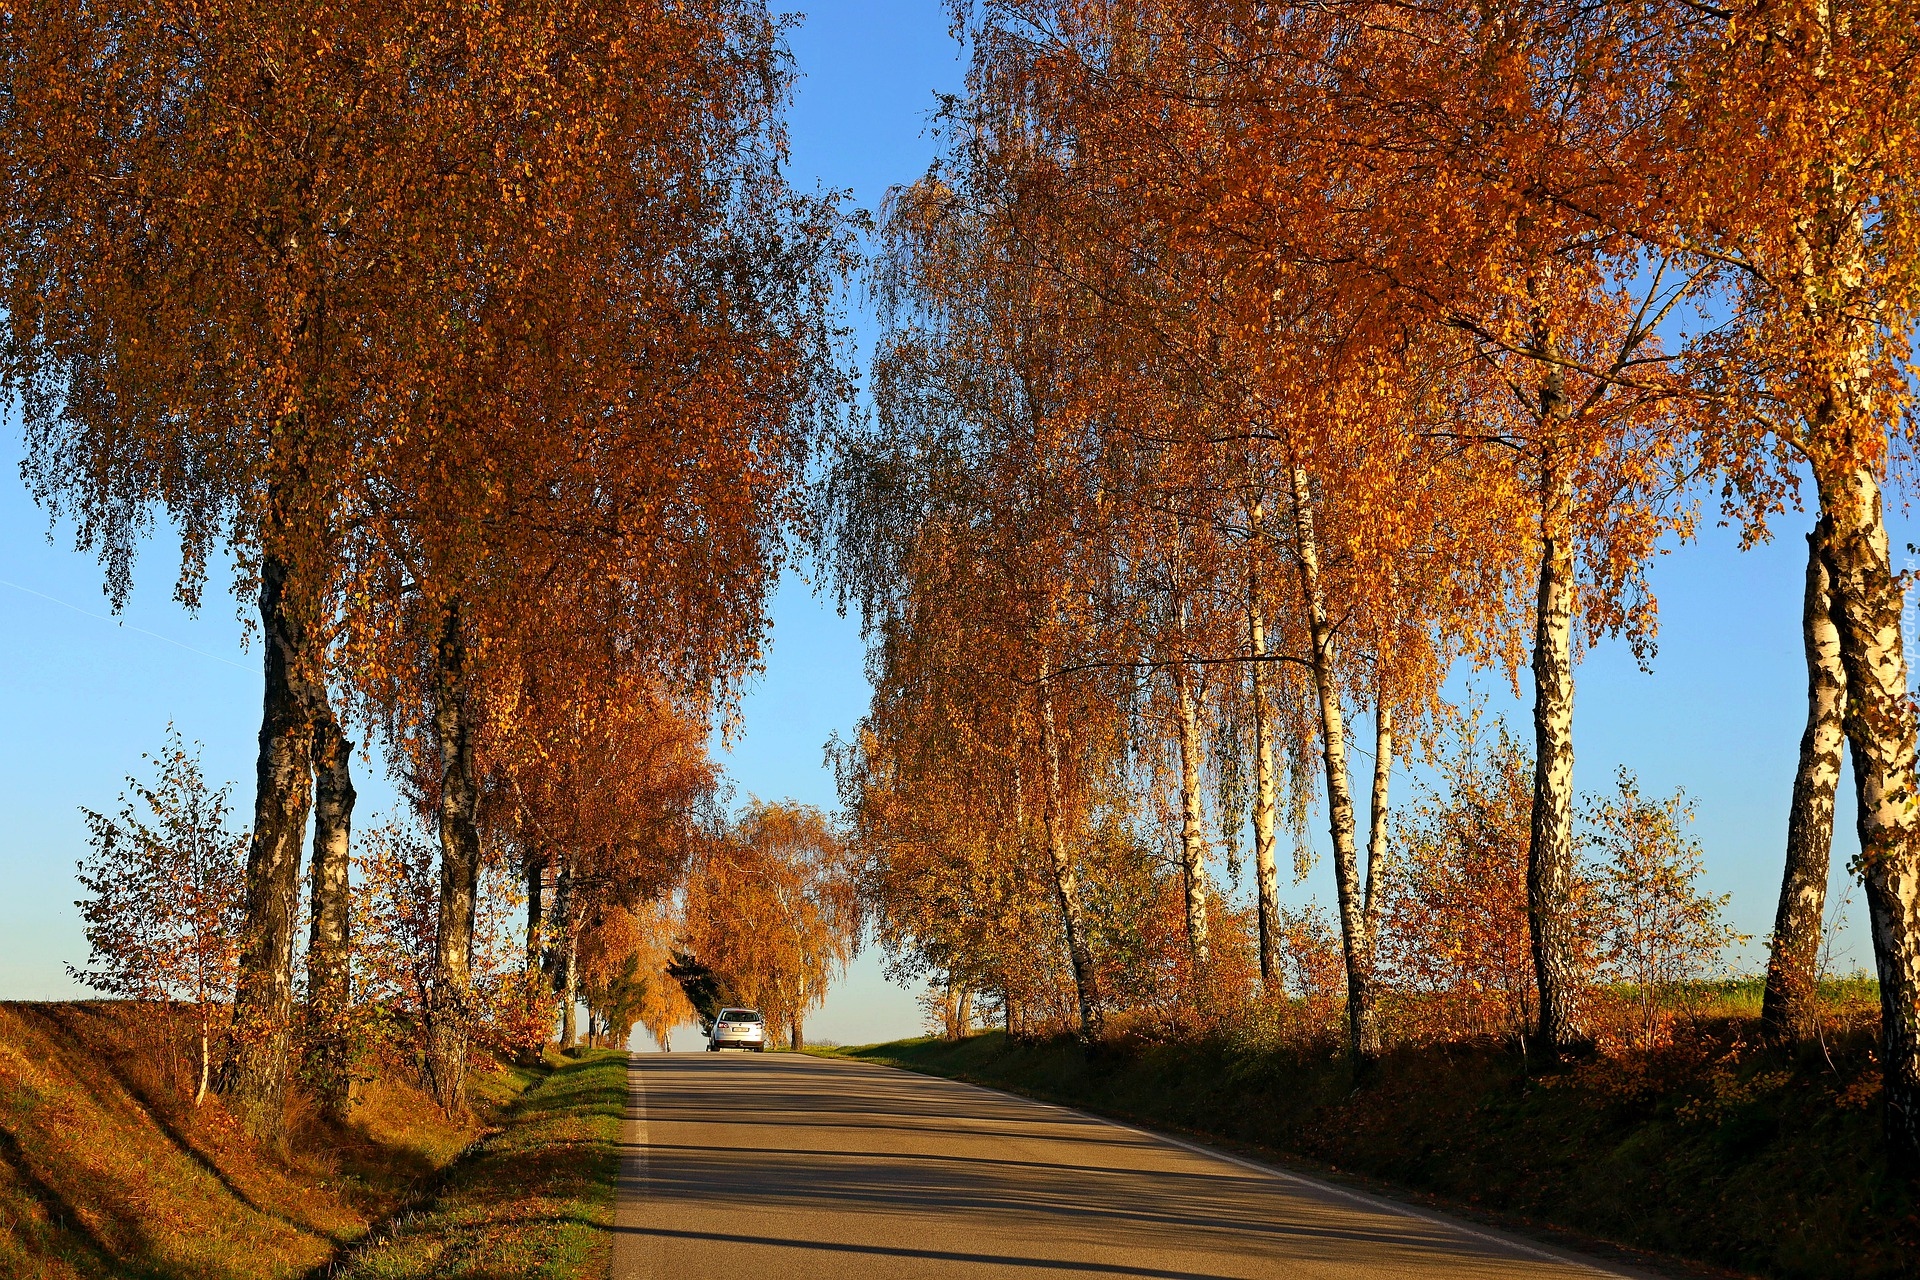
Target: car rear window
{"type": "Point", "coordinates": [740, 1015]}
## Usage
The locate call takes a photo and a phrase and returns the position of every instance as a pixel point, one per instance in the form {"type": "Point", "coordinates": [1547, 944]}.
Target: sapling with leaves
{"type": "Point", "coordinates": [1455, 935]}
{"type": "Point", "coordinates": [396, 952]}
{"type": "Point", "coordinates": [1661, 933]}
{"type": "Point", "coordinates": [396, 912]}
{"type": "Point", "coordinates": [164, 881]}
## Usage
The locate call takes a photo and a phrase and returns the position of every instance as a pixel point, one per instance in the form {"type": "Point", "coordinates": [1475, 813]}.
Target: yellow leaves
{"type": "Point", "coordinates": [772, 909]}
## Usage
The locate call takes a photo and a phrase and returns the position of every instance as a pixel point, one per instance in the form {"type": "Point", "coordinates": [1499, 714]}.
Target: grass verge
{"type": "Point", "coordinates": [1722, 1154]}
{"type": "Point", "coordinates": [107, 1170]}
{"type": "Point", "coordinates": [534, 1199]}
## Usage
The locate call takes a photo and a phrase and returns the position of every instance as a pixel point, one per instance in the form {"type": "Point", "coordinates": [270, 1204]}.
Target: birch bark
{"type": "Point", "coordinates": [206, 1040]}
{"type": "Point", "coordinates": [1193, 838]}
{"type": "Point", "coordinates": [1266, 872]}
{"type": "Point", "coordinates": [1363, 1032]}
{"type": "Point", "coordinates": [1787, 1010]}
{"type": "Point", "coordinates": [329, 972]}
{"type": "Point", "coordinates": [566, 954]}
{"type": "Point", "coordinates": [570, 994]}
{"type": "Point", "coordinates": [459, 868]}
{"type": "Point", "coordinates": [1880, 729]}
{"type": "Point", "coordinates": [1836, 311]}
{"type": "Point", "coordinates": [255, 1075]}
{"type": "Point", "coordinates": [1383, 746]}
{"type": "Point", "coordinates": [534, 870]}
{"type": "Point", "coordinates": [1550, 856]}
{"type": "Point", "coordinates": [1066, 885]}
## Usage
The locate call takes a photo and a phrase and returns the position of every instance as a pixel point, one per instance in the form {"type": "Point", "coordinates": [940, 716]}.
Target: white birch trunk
{"type": "Point", "coordinates": [1550, 858]}
{"type": "Point", "coordinates": [1065, 883]}
{"type": "Point", "coordinates": [570, 993]}
{"type": "Point", "coordinates": [1193, 838]}
{"type": "Point", "coordinates": [1363, 1035]}
{"type": "Point", "coordinates": [1377, 816]}
{"type": "Point", "coordinates": [1836, 307]}
{"type": "Point", "coordinates": [565, 952]}
{"type": "Point", "coordinates": [1266, 870]}
{"type": "Point", "coordinates": [206, 1051]}
{"type": "Point", "coordinates": [1880, 727]}
{"type": "Point", "coordinates": [1788, 1009]}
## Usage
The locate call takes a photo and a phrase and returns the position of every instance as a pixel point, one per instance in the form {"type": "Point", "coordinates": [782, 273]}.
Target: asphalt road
{"type": "Point", "coordinates": [791, 1167]}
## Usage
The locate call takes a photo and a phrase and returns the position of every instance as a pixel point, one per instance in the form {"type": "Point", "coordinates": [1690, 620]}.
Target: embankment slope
{"type": "Point", "coordinates": [107, 1170]}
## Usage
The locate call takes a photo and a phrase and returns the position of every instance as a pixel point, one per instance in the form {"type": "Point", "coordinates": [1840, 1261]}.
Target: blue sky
{"type": "Point", "coordinates": [83, 695]}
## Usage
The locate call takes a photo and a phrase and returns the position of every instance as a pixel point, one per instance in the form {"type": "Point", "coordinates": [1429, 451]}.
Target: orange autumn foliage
{"type": "Point", "coordinates": [770, 908]}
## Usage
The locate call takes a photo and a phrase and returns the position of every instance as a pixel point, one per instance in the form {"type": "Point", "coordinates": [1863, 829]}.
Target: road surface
{"type": "Point", "coordinates": [790, 1167]}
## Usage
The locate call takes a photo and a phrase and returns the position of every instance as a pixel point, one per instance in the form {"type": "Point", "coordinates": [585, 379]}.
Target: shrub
{"type": "Point", "coordinates": [396, 919]}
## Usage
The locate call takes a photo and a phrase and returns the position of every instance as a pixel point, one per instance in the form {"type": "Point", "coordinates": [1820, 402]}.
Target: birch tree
{"type": "Point", "coordinates": [1802, 119]}
{"type": "Point", "coordinates": [162, 912]}
{"type": "Point", "coordinates": [771, 909]}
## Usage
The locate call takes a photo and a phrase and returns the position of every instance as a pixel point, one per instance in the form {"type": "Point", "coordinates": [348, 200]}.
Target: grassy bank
{"type": "Point", "coordinates": [535, 1199]}
{"type": "Point", "coordinates": [1716, 1150]}
{"type": "Point", "coordinates": [106, 1170]}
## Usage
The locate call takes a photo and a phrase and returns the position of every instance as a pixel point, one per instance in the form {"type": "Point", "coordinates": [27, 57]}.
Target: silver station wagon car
{"type": "Point", "coordinates": [738, 1029]}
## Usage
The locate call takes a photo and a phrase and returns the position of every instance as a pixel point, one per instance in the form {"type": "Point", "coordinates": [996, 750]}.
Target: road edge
{"type": "Point", "coordinates": [1630, 1264]}
{"type": "Point", "coordinates": [632, 1248]}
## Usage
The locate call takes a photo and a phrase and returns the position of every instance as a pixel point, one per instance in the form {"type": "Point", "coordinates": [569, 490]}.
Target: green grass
{"type": "Point", "coordinates": [535, 1199]}
{"type": "Point", "coordinates": [1716, 1151]}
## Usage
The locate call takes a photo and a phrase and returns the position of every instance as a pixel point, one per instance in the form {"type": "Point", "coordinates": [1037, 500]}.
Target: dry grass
{"type": "Point", "coordinates": [106, 1170]}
